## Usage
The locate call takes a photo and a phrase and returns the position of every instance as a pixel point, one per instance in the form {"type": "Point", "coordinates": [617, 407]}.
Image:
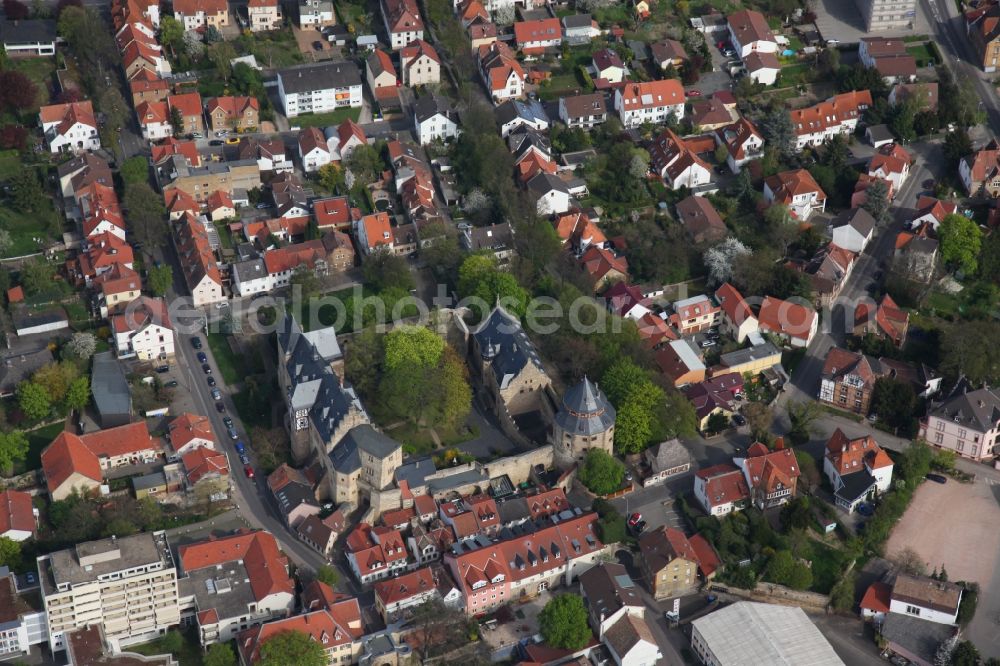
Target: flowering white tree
{"type": "Point", "coordinates": [719, 259]}
{"type": "Point", "coordinates": [82, 345]}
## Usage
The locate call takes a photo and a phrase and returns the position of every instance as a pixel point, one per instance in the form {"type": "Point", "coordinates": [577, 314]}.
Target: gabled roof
{"type": "Point", "coordinates": [841, 362]}
{"type": "Point", "coordinates": [788, 184]}
{"type": "Point", "coordinates": [202, 461]}
{"type": "Point", "coordinates": [852, 455]}
{"type": "Point", "coordinates": [401, 588]}
{"type": "Point", "coordinates": [540, 30]}
{"type": "Point", "coordinates": [416, 49]}
{"type": "Point", "coordinates": [767, 471]}
{"type": "Point", "coordinates": [888, 159]}
{"type": "Point", "coordinates": [831, 113]}
{"type": "Point", "coordinates": [627, 633]}
{"type": "Point", "coordinates": [651, 94]}
{"type": "Point", "coordinates": [402, 15]}
{"type": "Point", "coordinates": [188, 427]}
{"type": "Point", "coordinates": [732, 304]}
{"type": "Point", "coordinates": [662, 546]}
{"type": "Point", "coordinates": [700, 219]}
{"type": "Point", "coordinates": [791, 319]}
{"type": "Point", "coordinates": [70, 453]}
{"type": "Point", "coordinates": [379, 62]}
{"type": "Point", "coordinates": [148, 311]}
{"type": "Point", "coordinates": [192, 7]}
{"type": "Point", "coordinates": [16, 512]}
{"type": "Point", "coordinates": [877, 597]}
{"type": "Point", "coordinates": [67, 115]}
{"type": "Point", "coordinates": [750, 26]}
{"type": "Point", "coordinates": [724, 484]}
{"type": "Point", "coordinates": [189, 104]}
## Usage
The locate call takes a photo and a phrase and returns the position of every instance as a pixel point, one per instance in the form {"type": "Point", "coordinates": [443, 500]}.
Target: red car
{"type": "Point", "coordinates": [693, 93]}
{"type": "Point", "coordinates": [248, 470]}
{"type": "Point", "coordinates": [634, 519]}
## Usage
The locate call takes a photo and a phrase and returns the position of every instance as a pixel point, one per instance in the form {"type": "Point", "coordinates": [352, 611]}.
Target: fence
{"type": "Point", "coordinates": [777, 594]}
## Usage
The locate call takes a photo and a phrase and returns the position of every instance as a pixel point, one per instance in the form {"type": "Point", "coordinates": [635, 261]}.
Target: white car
{"type": "Point", "coordinates": [222, 133]}
{"type": "Point", "coordinates": [708, 343]}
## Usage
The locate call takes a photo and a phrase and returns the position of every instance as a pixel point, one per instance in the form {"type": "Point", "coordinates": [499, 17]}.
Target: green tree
{"type": "Point", "coordinates": [784, 569]}
{"type": "Point", "coordinates": [37, 276]}
{"type": "Point", "coordinates": [327, 574]}
{"type": "Point", "coordinates": [808, 469]}
{"type": "Point", "coordinates": [13, 448]}
{"type": "Point", "coordinates": [33, 401]}
{"type": "Point", "coordinates": [292, 647]}
{"type": "Point", "coordinates": [221, 54]}
{"type": "Point", "coordinates": [146, 215]}
{"type": "Point", "coordinates": [135, 170]}
{"type": "Point", "coordinates": [961, 240]}
{"type": "Point", "coordinates": [412, 345]}
{"type": "Point", "coordinates": [957, 145]}
{"type": "Point", "coordinates": [365, 163]}
{"type": "Point", "coordinates": [26, 190]}
{"type": "Point", "coordinates": [171, 33]}
{"type": "Point", "coordinates": [633, 428]}
{"type": "Point", "coordinates": [894, 402]}
{"type": "Point", "coordinates": [563, 622]}
{"type": "Point", "coordinates": [963, 351]}
{"type": "Point", "coordinates": [902, 122]}
{"type": "Point", "coordinates": [10, 553]}
{"type": "Point", "coordinates": [305, 279]}
{"type": "Point", "coordinates": [637, 400]}
{"type": "Point", "coordinates": [453, 400]}
{"type": "Point", "coordinates": [802, 415]}
{"type": "Point", "coordinates": [160, 279]}
{"type": "Point", "coordinates": [78, 393]}
{"type": "Point", "coordinates": [796, 514]}
{"type": "Point", "coordinates": [331, 178]}
{"type": "Point", "coordinates": [877, 201]}
{"type": "Point", "coordinates": [384, 270]}
{"type": "Point", "coordinates": [779, 131]}
{"type": "Point", "coordinates": [479, 277]}
{"type": "Point", "coordinates": [717, 422]}
{"type": "Point", "coordinates": [601, 473]}
{"type": "Point", "coordinates": [759, 418]}
{"type": "Point", "coordinates": [220, 654]}
{"type": "Point", "coordinates": [842, 594]}
{"type": "Point", "coordinates": [363, 356]}
{"type": "Point", "coordinates": [55, 378]}
{"type": "Point", "coordinates": [611, 527]}
{"type": "Point", "coordinates": [176, 120]}
{"type": "Point", "coordinates": [965, 654]}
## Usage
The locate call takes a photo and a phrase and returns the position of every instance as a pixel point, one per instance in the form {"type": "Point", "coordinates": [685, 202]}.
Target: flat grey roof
{"type": "Point", "coordinates": [753, 633]}
{"type": "Point", "coordinates": [109, 386]}
{"type": "Point", "coordinates": [133, 551]}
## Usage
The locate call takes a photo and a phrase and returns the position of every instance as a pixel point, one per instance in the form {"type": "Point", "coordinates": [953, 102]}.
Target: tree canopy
{"type": "Point", "coordinates": [292, 647]}
{"type": "Point", "coordinates": [601, 473]}
{"type": "Point", "coordinates": [563, 622]}
{"type": "Point", "coordinates": [961, 241]}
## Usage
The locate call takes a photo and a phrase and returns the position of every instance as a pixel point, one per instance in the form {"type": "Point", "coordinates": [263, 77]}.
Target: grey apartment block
{"type": "Point", "coordinates": [880, 15]}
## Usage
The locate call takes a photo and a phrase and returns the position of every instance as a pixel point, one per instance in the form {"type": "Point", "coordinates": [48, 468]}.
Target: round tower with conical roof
{"type": "Point", "coordinates": [585, 420]}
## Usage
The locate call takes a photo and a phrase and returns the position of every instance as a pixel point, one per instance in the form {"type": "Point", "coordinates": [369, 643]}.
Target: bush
{"type": "Point", "coordinates": [601, 473]}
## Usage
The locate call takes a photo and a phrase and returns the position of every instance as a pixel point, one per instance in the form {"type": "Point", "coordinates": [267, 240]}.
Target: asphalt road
{"type": "Point", "coordinates": [959, 55]}
{"type": "Point", "coordinates": [876, 257]}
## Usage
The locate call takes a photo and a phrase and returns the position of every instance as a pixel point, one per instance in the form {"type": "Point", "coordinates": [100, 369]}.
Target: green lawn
{"type": "Point", "coordinates": [325, 119]}
{"type": "Point", "coordinates": [23, 227]}
{"type": "Point", "coordinates": [37, 441]}
{"type": "Point", "coordinates": [272, 49]}
{"type": "Point", "coordinates": [827, 567]}
{"type": "Point", "coordinates": [40, 71]}
{"type": "Point", "coordinates": [418, 441]}
{"type": "Point", "coordinates": [10, 164]}
{"type": "Point", "coordinates": [228, 363]}
{"type": "Point", "coordinates": [795, 74]}
{"type": "Point", "coordinates": [352, 13]}
{"type": "Point", "coordinates": [225, 237]}
{"type": "Point", "coordinates": [922, 53]}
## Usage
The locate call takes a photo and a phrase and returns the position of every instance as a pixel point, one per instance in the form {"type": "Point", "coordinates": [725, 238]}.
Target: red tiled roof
{"type": "Point", "coordinates": [189, 104]}
{"type": "Point", "coordinates": [547, 503]}
{"type": "Point", "coordinates": [424, 505]}
{"type": "Point", "coordinates": [840, 362]}
{"type": "Point", "coordinates": [187, 427]}
{"type": "Point", "coordinates": [16, 512]}
{"type": "Point", "coordinates": [732, 304]}
{"type": "Point", "coordinates": [750, 26]}
{"type": "Point", "coordinates": [179, 200]}
{"type": "Point", "coordinates": [652, 94]}
{"type": "Point", "coordinates": [219, 199]}
{"type": "Point", "coordinates": [73, 112]}
{"type": "Point", "coordinates": [417, 48]}
{"type": "Point", "coordinates": [724, 484]}
{"type": "Point", "coordinates": [598, 262]}
{"type": "Point", "coordinates": [769, 470]}
{"type": "Point", "coordinates": [833, 112]}
{"type": "Point", "coordinates": [202, 461]}
{"type": "Point", "coordinates": [192, 7]}
{"type": "Point", "coordinates": [310, 139]}
{"type": "Point", "coordinates": [65, 456]}
{"type": "Point", "coordinates": [171, 146]}
{"type": "Point", "coordinates": [404, 587]}
{"type": "Point", "coordinates": [266, 567]}
{"type": "Point", "coordinates": [120, 441]}
{"type": "Point", "coordinates": [708, 559]}
{"type": "Point", "coordinates": [785, 317]}
{"type": "Point", "coordinates": [498, 61]}
{"type": "Point", "coordinates": [398, 517]}
{"type": "Point", "coordinates": [541, 30]}
{"type": "Point", "coordinates": [788, 184]}
{"type": "Point", "coordinates": [149, 311]}
{"type": "Point", "coordinates": [321, 626]}
{"type": "Point", "coordinates": [402, 16]}
{"type": "Point", "coordinates": [891, 158]}
{"type": "Point", "coordinates": [877, 597]}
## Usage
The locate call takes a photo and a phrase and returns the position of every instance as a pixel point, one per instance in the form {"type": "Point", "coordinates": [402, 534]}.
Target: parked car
{"type": "Point", "coordinates": [729, 53]}
{"type": "Point", "coordinates": [634, 519]}
{"type": "Point", "coordinates": [248, 470]}
{"type": "Point", "coordinates": [232, 433]}
{"type": "Point", "coordinates": [739, 419]}
{"type": "Point", "coordinates": [196, 342]}
{"type": "Point", "coordinates": [708, 343]}
{"type": "Point", "coordinates": [227, 421]}
{"type": "Point", "coordinates": [262, 205]}
{"type": "Point", "coordinates": [317, 46]}
{"type": "Point", "coordinates": [162, 368]}
{"type": "Point", "coordinates": [171, 384]}
{"type": "Point", "coordinates": [216, 394]}
{"type": "Point", "coordinates": [240, 446]}
{"type": "Point", "coordinates": [244, 459]}
{"type": "Point", "coordinates": [640, 527]}
{"type": "Point", "coordinates": [222, 132]}
{"type": "Point", "coordinates": [211, 380]}
{"type": "Point", "coordinates": [693, 93]}
{"type": "Point", "coordinates": [202, 357]}
{"type": "Point", "coordinates": [216, 142]}
{"type": "Point", "coordinates": [31, 578]}
{"type": "Point", "coordinates": [866, 509]}
{"type": "Point", "coordinates": [206, 368]}
{"type": "Point", "coordinates": [220, 407]}
{"type": "Point", "coordinates": [937, 478]}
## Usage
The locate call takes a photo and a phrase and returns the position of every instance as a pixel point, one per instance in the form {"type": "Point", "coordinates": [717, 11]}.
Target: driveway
{"type": "Point", "coordinates": [945, 526]}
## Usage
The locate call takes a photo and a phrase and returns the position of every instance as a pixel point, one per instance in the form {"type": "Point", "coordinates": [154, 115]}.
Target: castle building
{"type": "Point", "coordinates": [585, 420]}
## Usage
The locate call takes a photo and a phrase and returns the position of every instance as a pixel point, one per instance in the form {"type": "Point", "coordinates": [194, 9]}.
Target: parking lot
{"type": "Point", "coordinates": [656, 507]}
{"type": "Point", "coordinates": [968, 550]}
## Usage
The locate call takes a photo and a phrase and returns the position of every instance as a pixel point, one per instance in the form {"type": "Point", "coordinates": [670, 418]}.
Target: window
{"type": "Point", "coordinates": [938, 438]}
{"type": "Point", "coordinates": [912, 610]}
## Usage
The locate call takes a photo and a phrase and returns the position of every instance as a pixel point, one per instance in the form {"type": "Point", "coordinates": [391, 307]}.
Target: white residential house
{"type": "Point", "coordinates": [742, 141]}
{"type": "Point", "coordinates": [69, 128]}
{"type": "Point", "coordinates": [434, 119]}
{"type": "Point", "coordinates": [721, 489]}
{"type": "Point", "coordinates": [144, 330]}
{"type": "Point", "coordinates": [419, 64]}
{"type": "Point", "coordinates": [319, 87]}
{"type": "Point", "coordinates": [314, 13]}
{"type": "Point", "coordinates": [853, 229]}
{"type": "Point", "coordinates": [678, 165]}
{"type": "Point", "coordinates": [649, 102]}
{"type": "Point", "coordinates": [154, 120]}
{"type": "Point", "coordinates": [313, 149]}
{"type": "Point", "coordinates": [857, 469]}
{"type": "Point", "coordinates": [551, 194]}
{"type": "Point", "coordinates": [749, 32]}
{"type": "Point", "coordinates": [796, 189]}
{"type": "Point", "coordinates": [925, 598]}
